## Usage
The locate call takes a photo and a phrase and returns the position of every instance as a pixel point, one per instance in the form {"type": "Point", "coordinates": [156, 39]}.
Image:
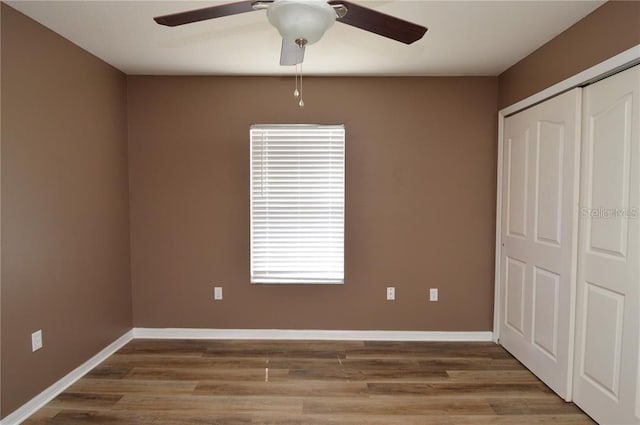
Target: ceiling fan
{"type": "Point", "coordinates": [303, 22]}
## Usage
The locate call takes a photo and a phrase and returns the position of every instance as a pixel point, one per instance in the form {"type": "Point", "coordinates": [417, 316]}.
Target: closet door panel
{"type": "Point", "coordinates": [539, 210]}
{"type": "Point", "coordinates": [517, 164]}
{"type": "Point", "coordinates": [608, 295]}
{"type": "Point", "coordinates": [549, 176]}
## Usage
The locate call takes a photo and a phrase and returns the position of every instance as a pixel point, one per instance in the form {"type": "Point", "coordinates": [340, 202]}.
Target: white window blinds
{"type": "Point", "coordinates": [297, 203]}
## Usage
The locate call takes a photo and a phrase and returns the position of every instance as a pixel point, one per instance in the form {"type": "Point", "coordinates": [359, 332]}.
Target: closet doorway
{"type": "Point", "coordinates": [568, 260]}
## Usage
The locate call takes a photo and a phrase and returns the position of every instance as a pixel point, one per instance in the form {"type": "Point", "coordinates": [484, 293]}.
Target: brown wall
{"type": "Point", "coordinates": [65, 235]}
{"type": "Point", "coordinates": [607, 31]}
{"type": "Point", "coordinates": [420, 197]}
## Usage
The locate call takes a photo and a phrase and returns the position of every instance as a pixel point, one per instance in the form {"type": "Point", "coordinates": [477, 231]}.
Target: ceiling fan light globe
{"type": "Point", "coordinates": [301, 19]}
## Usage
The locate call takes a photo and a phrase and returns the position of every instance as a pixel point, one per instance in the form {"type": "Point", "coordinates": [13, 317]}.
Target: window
{"type": "Point", "coordinates": [297, 203]}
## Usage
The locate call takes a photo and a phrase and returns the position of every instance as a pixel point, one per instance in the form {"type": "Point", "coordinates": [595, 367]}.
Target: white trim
{"type": "Point", "coordinates": [498, 252]}
{"type": "Point", "coordinates": [618, 61]}
{"type": "Point", "coordinates": [604, 67]}
{"type": "Point", "coordinates": [30, 407]}
{"type": "Point", "coordinates": [286, 334]}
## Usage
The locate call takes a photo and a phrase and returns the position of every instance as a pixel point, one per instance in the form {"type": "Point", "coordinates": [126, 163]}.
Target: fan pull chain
{"type": "Point", "coordinates": [301, 102]}
{"type": "Point", "coordinates": [296, 93]}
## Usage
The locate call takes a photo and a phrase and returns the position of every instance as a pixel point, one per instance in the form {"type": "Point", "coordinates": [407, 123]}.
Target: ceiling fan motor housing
{"type": "Point", "coordinates": [301, 19]}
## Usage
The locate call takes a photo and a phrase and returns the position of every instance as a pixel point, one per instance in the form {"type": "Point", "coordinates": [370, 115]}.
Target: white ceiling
{"type": "Point", "coordinates": [464, 37]}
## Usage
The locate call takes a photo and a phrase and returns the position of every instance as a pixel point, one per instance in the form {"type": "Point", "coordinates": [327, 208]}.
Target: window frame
{"type": "Point", "coordinates": [257, 280]}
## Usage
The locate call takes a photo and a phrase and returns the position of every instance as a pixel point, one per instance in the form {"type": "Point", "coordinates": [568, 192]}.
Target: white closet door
{"type": "Point", "coordinates": [607, 322]}
{"type": "Point", "coordinates": [539, 228]}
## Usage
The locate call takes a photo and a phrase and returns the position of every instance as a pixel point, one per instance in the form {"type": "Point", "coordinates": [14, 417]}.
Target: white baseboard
{"type": "Point", "coordinates": [186, 333]}
{"type": "Point", "coordinates": [50, 393]}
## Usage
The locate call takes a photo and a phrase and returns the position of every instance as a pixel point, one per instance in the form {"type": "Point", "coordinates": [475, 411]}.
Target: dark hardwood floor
{"type": "Point", "coordinates": [309, 382]}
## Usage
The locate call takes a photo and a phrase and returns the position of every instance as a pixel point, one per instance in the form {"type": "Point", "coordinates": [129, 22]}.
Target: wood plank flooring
{"type": "Point", "coordinates": [169, 382]}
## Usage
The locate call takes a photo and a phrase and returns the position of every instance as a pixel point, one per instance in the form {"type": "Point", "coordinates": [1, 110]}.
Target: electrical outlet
{"type": "Point", "coordinates": [217, 293]}
{"type": "Point", "coordinates": [433, 294]}
{"type": "Point", "coordinates": [36, 340]}
{"type": "Point", "coordinates": [391, 293]}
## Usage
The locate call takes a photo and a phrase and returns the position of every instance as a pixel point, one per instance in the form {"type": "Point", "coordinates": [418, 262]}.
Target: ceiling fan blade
{"type": "Point", "coordinates": [203, 14]}
{"type": "Point", "coordinates": [379, 23]}
{"type": "Point", "coordinates": [291, 53]}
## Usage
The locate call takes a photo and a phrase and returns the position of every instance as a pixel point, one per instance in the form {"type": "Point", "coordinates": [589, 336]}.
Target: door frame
{"type": "Point", "coordinates": [617, 63]}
